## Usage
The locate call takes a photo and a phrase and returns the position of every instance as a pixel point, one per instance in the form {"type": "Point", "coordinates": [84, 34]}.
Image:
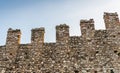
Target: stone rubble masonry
{"type": "Point", "coordinates": [62, 33]}
{"type": "Point", "coordinates": [111, 20]}
{"type": "Point", "coordinates": [95, 51]}
{"type": "Point", "coordinates": [87, 28]}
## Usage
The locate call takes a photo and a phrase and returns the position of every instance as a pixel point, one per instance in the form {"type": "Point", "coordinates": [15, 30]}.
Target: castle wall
{"type": "Point", "coordinates": [95, 51]}
{"type": "Point", "coordinates": [2, 58]}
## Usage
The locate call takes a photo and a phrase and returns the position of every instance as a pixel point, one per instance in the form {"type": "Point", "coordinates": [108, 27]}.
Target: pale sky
{"type": "Point", "coordinates": [29, 14]}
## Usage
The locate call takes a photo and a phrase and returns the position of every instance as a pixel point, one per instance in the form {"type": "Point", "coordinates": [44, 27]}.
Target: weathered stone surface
{"type": "Point", "coordinates": [95, 51]}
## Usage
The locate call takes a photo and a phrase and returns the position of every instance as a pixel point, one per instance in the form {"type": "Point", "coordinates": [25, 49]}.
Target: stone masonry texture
{"type": "Point", "coordinates": [95, 51]}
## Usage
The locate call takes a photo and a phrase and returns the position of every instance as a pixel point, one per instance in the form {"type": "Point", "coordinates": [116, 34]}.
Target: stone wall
{"type": "Point", "coordinates": [95, 51]}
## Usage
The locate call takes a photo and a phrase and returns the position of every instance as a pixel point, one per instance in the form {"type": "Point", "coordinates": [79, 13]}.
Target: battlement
{"type": "Point", "coordinates": [62, 30]}
{"type": "Point", "coordinates": [12, 42]}
{"type": "Point", "coordinates": [16, 34]}
{"type": "Point", "coordinates": [37, 37]}
{"type": "Point", "coordinates": [111, 20]}
{"type": "Point", "coordinates": [94, 51]}
{"type": "Point", "coordinates": [62, 33]}
{"type": "Point", "coordinates": [87, 28]}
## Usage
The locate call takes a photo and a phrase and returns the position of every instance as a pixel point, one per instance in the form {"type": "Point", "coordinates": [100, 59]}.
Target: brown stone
{"type": "Point", "coordinates": [95, 51]}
